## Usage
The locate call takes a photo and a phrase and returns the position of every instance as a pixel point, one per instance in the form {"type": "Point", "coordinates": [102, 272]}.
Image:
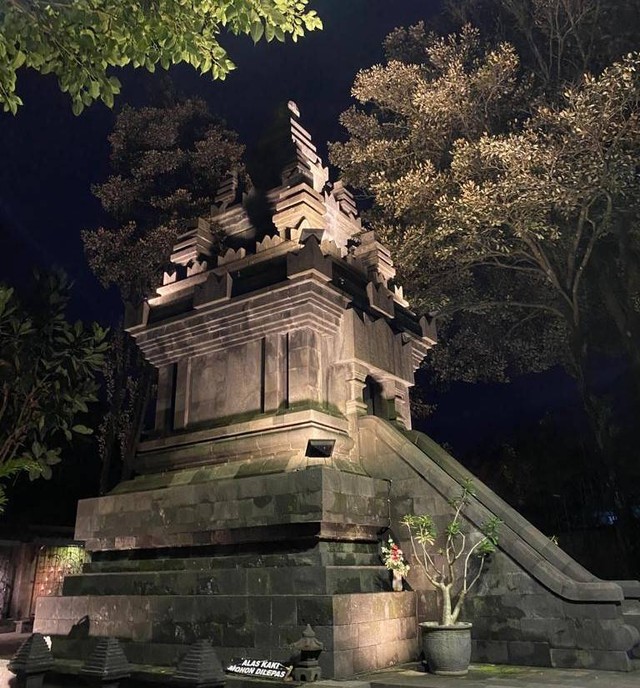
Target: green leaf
{"type": "Point", "coordinates": [269, 33]}
{"type": "Point", "coordinates": [82, 430]}
{"type": "Point", "coordinates": [18, 60]}
{"type": "Point", "coordinates": [257, 30]}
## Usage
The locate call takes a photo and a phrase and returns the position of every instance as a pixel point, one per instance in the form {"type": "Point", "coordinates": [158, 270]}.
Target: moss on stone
{"type": "Point", "coordinates": [498, 669]}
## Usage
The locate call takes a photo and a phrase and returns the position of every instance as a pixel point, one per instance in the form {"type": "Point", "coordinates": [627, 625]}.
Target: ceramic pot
{"type": "Point", "coordinates": [447, 649]}
{"type": "Point", "coordinates": [396, 581]}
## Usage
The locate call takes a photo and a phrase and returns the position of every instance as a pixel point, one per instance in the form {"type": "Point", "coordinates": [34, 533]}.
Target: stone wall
{"type": "Point", "coordinates": [219, 511]}
{"type": "Point", "coordinates": [246, 562]}
{"type": "Point", "coordinates": [360, 632]}
{"type": "Point", "coordinates": [534, 605]}
{"type": "Point", "coordinates": [212, 376]}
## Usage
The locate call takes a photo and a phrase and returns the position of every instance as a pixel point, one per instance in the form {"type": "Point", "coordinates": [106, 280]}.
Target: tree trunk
{"type": "Point", "coordinates": [446, 605]}
{"type": "Point", "coordinates": [607, 472]}
{"type": "Point", "coordinates": [137, 420]}
{"type": "Point", "coordinates": [127, 407]}
{"type": "Point", "coordinates": [617, 288]}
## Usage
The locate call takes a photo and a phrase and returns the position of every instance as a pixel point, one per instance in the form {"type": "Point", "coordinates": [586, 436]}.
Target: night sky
{"type": "Point", "coordinates": [50, 158]}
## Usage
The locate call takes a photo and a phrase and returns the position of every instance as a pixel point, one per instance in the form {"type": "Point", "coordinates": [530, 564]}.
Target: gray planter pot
{"type": "Point", "coordinates": [447, 649]}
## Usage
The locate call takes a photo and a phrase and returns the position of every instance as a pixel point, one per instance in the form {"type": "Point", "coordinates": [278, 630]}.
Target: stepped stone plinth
{"type": "Point", "coordinates": [249, 515]}
{"type": "Point", "coordinates": [282, 452]}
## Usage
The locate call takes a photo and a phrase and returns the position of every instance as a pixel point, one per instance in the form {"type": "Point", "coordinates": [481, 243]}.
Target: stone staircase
{"type": "Point", "coordinates": [631, 614]}
{"type": "Point", "coordinates": [534, 605]}
{"type": "Point", "coordinates": [247, 604]}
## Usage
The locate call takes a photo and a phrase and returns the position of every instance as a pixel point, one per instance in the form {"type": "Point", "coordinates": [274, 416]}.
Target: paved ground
{"type": "Point", "coordinates": [480, 676]}
{"type": "Point", "coordinates": [494, 676]}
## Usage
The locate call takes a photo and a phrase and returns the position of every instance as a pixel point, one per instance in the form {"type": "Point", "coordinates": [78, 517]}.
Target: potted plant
{"type": "Point", "coordinates": [394, 560]}
{"type": "Point", "coordinates": [453, 562]}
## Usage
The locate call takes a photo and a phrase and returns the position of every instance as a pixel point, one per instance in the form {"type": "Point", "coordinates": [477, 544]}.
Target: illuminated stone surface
{"type": "Point", "coordinates": [32, 657]}
{"type": "Point", "coordinates": [283, 446]}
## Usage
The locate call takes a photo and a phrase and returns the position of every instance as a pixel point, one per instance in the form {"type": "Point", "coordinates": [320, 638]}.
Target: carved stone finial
{"type": "Point", "coordinates": [107, 664]}
{"type": "Point", "coordinates": [31, 661]}
{"type": "Point", "coordinates": [200, 667]}
{"type": "Point", "coordinates": [293, 107]}
{"type": "Point", "coordinates": [428, 327]}
{"type": "Point", "coordinates": [375, 257]}
{"type": "Point", "coordinates": [380, 299]}
{"type": "Point", "coordinates": [310, 260]}
{"type": "Point", "coordinates": [213, 289]}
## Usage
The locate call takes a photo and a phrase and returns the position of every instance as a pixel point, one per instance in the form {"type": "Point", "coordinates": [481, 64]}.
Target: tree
{"type": "Point", "coordinates": [167, 165]}
{"type": "Point", "coordinates": [495, 218]}
{"type": "Point", "coordinates": [400, 150]}
{"type": "Point", "coordinates": [80, 41]}
{"type": "Point", "coordinates": [497, 215]}
{"type": "Point", "coordinates": [557, 40]}
{"type": "Point", "coordinates": [48, 371]}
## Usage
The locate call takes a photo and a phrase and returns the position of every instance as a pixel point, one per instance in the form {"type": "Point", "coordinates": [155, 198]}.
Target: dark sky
{"type": "Point", "coordinates": [49, 159]}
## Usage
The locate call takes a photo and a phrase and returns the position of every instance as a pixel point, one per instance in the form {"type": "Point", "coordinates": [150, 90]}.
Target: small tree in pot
{"type": "Point", "coordinates": [453, 563]}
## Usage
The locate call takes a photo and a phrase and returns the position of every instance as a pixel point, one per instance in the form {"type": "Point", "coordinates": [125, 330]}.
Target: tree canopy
{"type": "Point", "coordinates": [167, 164]}
{"type": "Point", "coordinates": [510, 199]}
{"type": "Point", "coordinates": [494, 211]}
{"type": "Point", "coordinates": [557, 41]}
{"type": "Point", "coordinates": [80, 41]}
{"type": "Point", "coordinates": [48, 370]}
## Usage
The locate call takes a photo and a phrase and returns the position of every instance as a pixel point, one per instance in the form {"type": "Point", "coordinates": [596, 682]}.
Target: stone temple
{"type": "Point", "coordinates": [283, 452]}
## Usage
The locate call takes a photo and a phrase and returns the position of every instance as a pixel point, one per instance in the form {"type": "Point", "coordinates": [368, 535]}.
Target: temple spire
{"type": "Point", "coordinates": [286, 154]}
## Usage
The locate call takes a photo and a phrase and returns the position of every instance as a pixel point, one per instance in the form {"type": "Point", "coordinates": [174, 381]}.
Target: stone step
{"type": "Point", "coordinates": [158, 630]}
{"type": "Point", "coordinates": [255, 581]}
{"type": "Point", "coordinates": [632, 618]}
{"type": "Point", "coordinates": [356, 555]}
{"type": "Point", "coordinates": [7, 626]}
{"type": "Point", "coordinates": [630, 606]}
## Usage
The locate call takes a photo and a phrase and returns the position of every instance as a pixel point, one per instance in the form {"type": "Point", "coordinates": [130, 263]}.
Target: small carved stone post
{"type": "Point", "coordinates": [308, 669]}
{"type": "Point", "coordinates": [200, 667]}
{"type": "Point", "coordinates": [107, 665]}
{"type": "Point", "coordinates": [32, 660]}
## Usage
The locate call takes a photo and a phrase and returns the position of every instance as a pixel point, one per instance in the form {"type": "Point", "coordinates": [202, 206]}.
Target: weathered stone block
{"type": "Point", "coordinates": [490, 651]}
{"type": "Point", "coordinates": [345, 637]}
{"type": "Point", "coordinates": [529, 653]}
{"type": "Point", "coordinates": [607, 661]}
{"type": "Point", "coordinates": [284, 611]}
{"type": "Point", "coordinates": [316, 611]}
{"type": "Point", "coordinates": [238, 636]}
{"type": "Point", "coordinates": [369, 632]}
{"type": "Point", "coordinates": [558, 632]}
{"type": "Point", "coordinates": [605, 635]}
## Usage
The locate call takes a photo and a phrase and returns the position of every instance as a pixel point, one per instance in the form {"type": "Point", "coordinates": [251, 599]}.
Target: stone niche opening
{"type": "Point", "coordinates": [320, 449]}
{"type": "Point", "coordinates": [373, 397]}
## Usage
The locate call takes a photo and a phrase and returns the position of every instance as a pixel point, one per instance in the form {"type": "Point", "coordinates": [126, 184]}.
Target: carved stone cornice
{"type": "Point", "coordinates": [300, 303]}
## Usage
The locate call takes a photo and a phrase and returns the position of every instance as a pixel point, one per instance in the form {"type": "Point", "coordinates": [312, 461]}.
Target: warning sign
{"type": "Point", "coordinates": [260, 668]}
